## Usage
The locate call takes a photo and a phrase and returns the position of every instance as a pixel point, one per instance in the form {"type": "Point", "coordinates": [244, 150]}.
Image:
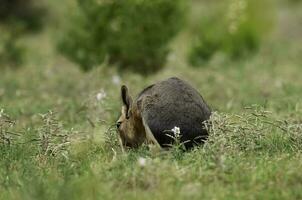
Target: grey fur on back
{"type": "Point", "coordinates": [170, 103]}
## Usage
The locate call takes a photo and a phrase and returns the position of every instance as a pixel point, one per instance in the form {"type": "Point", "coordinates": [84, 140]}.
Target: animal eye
{"type": "Point", "coordinates": [118, 124]}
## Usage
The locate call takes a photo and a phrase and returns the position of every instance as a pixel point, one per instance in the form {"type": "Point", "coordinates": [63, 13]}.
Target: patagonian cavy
{"type": "Point", "coordinates": [161, 110]}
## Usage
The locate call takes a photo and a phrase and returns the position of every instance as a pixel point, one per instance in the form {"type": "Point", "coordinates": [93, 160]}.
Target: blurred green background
{"type": "Point", "coordinates": [61, 67]}
{"type": "Point", "coordinates": [241, 51]}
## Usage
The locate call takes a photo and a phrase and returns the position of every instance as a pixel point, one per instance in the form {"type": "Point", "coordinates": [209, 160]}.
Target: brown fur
{"type": "Point", "coordinates": [131, 131]}
{"type": "Point", "coordinates": [160, 107]}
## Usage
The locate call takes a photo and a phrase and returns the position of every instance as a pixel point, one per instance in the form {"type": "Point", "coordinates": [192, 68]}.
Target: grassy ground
{"type": "Point", "coordinates": [57, 141]}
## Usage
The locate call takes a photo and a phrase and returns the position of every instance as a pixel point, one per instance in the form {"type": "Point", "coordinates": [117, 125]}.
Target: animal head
{"type": "Point", "coordinates": [129, 125]}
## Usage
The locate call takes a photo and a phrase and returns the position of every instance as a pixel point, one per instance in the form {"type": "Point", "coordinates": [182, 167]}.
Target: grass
{"type": "Point", "coordinates": [57, 139]}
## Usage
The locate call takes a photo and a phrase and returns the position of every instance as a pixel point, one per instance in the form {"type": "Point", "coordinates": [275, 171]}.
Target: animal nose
{"type": "Point", "coordinates": [118, 124]}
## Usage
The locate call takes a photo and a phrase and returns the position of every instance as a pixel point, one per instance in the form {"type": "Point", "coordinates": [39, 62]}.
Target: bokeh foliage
{"type": "Point", "coordinates": [11, 51]}
{"type": "Point", "coordinates": [234, 27]}
{"type": "Point", "coordinates": [17, 17]}
{"type": "Point", "coordinates": [26, 13]}
{"type": "Point", "coordinates": [133, 34]}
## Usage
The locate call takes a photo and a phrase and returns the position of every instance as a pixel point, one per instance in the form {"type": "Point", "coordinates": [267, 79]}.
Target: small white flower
{"type": "Point", "coordinates": [142, 162]}
{"type": "Point", "coordinates": [278, 83]}
{"type": "Point", "coordinates": [2, 91]}
{"type": "Point", "coordinates": [176, 130]}
{"type": "Point", "coordinates": [1, 112]}
{"type": "Point", "coordinates": [101, 95]}
{"type": "Point", "coordinates": [172, 57]}
{"type": "Point", "coordinates": [116, 80]}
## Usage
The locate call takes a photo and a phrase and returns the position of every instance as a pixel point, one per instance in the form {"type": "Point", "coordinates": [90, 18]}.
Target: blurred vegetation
{"type": "Point", "coordinates": [26, 13]}
{"type": "Point", "coordinates": [11, 51]}
{"type": "Point", "coordinates": [234, 27]}
{"type": "Point", "coordinates": [295, 1]}
{"type": "Point", "coordinates": [133, 34]}
{"type": "Point", "coordinates": [17, 17]}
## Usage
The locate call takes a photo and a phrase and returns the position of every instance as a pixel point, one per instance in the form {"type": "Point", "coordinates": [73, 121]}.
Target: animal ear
{"type": "Point", "coordinates": [127, 100]}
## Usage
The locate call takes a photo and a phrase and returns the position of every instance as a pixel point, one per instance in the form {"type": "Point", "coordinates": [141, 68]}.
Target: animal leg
{"type": "Point", "coordinates": [149, 135]}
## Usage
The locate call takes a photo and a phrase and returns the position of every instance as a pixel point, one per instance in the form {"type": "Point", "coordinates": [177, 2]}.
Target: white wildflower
{"type": "Point", "coordinates": [176, 130]}
{"type": "Point", "coordinates": [278, 83]}
{"type": "Point", "coordinates": [101, 95]}
{"type": "Point", "coordinates": [116, 80]}
{"type": "Point", "coordinates": [1, 112]}
{"type": "Point", "coordinates": [142, 162]}
{"type": "Point", "coordinates": [1, 91]}
{"type": "Point", "coordinates": [222, 160]}
{"type": "Point", "coordinates": [172, 57]}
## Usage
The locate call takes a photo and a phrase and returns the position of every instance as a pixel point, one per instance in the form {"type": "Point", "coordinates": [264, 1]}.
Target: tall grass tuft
{"type": "Point", "coordinates": [253, 131]}
{"type": "Point", "coordinates": [53, 138]}
{"type": "Point", "coordinates": [7, 134]}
